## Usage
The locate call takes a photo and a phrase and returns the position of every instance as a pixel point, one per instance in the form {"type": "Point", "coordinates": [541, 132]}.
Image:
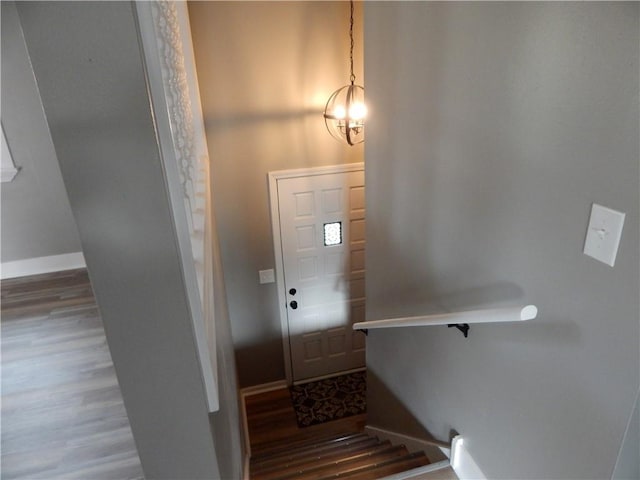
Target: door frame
{"type": "Point", "coordinates": [274, 177]}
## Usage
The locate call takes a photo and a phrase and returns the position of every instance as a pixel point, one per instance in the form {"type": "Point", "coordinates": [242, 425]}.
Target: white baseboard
{"type": "Point", "coordinates": [435, 450]}
{"type": "Point", "coordinates": [263, 388]}
{"type": "Point", "coordinates": [40, 265]}
{"type": "Point", "coordinates": [462, 463]}
{"type": "Point", "coordinates": [330, 375]}
{"type": "Point", "coordinates": [419, 471]}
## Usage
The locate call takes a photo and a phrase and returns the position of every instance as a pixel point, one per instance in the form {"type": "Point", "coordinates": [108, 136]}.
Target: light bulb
{"type": "Point", "coordinates": [339, 112]}
{"type": "Point", "coordinates": [345, 113]}
{"type": "Point", "coordinates": [357, 111]}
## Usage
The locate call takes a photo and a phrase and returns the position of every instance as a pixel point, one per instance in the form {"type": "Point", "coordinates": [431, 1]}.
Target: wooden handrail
{"type": "Point", "coordinates": [496, 315]}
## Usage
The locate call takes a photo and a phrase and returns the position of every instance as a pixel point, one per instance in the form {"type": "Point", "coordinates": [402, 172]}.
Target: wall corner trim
{"type": "Point", "coordinates": [40, 265]}
{"type": "Point", "coordinates": [246, 467]}
{"type": "Point", "coordinates": [8, 170]}
{"type": "Point", "coordinates": [8, 174]}
{"type": "Point", "coordinates": [462, 462]}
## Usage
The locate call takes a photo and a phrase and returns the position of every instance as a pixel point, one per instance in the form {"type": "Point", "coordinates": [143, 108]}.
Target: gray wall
{"type": "Point", "coordinates": [265, 70]}
{"type": "Point", "coordinates": [497, 126]}
{"type": "Point", "coordinates": [87, 60]}
{"type": "Point", "coordinates": [36, 217]}
{"type": "Point", "coordinates": [226, 422]}
{"type": "Point", "coordinates": [628, 464]}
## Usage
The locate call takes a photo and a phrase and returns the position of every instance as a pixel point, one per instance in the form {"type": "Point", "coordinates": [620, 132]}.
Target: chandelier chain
{"type": "Point", "coordinates": [353, 77]}
{"type": "Point", "coordinates": [345, 111]}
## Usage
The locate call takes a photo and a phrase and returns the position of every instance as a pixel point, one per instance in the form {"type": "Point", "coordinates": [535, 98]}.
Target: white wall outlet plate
{"type": "Point", "coordinates": [603, 234]}
{"type": "Point", "coordinates": [267, 276]}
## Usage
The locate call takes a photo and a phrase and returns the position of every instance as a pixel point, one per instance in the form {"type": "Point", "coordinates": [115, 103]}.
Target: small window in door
{"type": "Point", "coordinates": [332, 234]}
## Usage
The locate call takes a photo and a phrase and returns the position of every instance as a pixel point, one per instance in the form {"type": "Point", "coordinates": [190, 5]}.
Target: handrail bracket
{"type": "Point", "coordinates": [463, 327]}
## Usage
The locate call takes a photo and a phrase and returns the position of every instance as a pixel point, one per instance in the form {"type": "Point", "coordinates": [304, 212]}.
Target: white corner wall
{"type": "Point", "coordinates": [87, 59]}
{"type": "Point", "coordinates": [497, 126]}
{"type": "Point", "coordinates": [36, 219]}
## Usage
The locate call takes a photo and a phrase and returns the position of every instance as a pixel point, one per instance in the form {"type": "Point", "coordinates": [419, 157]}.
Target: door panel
{"type": "Point", "coordinates": [322, 228]}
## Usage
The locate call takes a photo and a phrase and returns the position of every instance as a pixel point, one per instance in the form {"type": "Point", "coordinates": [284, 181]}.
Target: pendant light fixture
{"type": "Point", "coordinates": [345, 111]}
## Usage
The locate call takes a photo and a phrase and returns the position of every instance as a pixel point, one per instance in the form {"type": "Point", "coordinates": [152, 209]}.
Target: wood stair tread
{"type": "Point", "coordinates": [323, 459]}
{"type": "Point", "coordinates": [388, 467]}
{"type": "Point", "coordinates": [281, 448]}
{"type": "Point", "coordinates": [351, 456]}
{"type": "Point", "coordinates": [325, 453]}
{"type": "Point", "coordinates": [362, 460]}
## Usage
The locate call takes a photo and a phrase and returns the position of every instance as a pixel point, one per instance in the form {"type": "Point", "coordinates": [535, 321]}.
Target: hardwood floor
{"type": "Point", "coordinates": [338, 449]}
{"type": "Point", "coordinates": [271, 421]}
{"type": "Point", "coordinates": [62, 411]}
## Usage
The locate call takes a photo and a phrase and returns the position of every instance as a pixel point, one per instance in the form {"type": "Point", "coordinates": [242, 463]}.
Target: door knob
{"type": "Point", "coordinates": [292, 291]}
{"type": "Point", "coordinates": [293, 304]}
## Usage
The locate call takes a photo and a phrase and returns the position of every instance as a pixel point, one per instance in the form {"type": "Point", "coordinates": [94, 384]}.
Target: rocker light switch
{"type": "Point", "coordinates": [603, 234]}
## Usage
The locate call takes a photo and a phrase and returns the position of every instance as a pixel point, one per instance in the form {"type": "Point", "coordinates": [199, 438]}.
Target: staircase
{"type": "Point", "coordinates": [354, 456]}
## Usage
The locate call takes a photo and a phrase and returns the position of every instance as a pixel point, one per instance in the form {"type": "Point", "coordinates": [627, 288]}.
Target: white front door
{"type": "Point", "coordinates": [321, 227]}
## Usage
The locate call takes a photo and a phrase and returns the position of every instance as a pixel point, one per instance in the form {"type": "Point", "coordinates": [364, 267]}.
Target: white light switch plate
{"type": "Point", "coordinates": [603, 234]}
{"type": "Point", "coordinates": [267, 276]}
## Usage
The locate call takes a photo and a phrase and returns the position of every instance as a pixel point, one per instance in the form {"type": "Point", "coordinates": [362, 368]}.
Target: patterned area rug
{"type": "Point", "coordinates": [330, 399]}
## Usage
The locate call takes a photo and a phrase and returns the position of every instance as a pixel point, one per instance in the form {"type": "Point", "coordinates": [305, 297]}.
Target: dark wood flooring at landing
{"type": "Point", "coordinates": [62, 411]}
{"type": "Point", "coordinates": [272, 421]}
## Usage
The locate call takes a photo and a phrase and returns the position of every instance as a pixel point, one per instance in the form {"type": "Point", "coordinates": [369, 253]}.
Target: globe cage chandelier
{"type": "Point", "coordinates": [345, 111]}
